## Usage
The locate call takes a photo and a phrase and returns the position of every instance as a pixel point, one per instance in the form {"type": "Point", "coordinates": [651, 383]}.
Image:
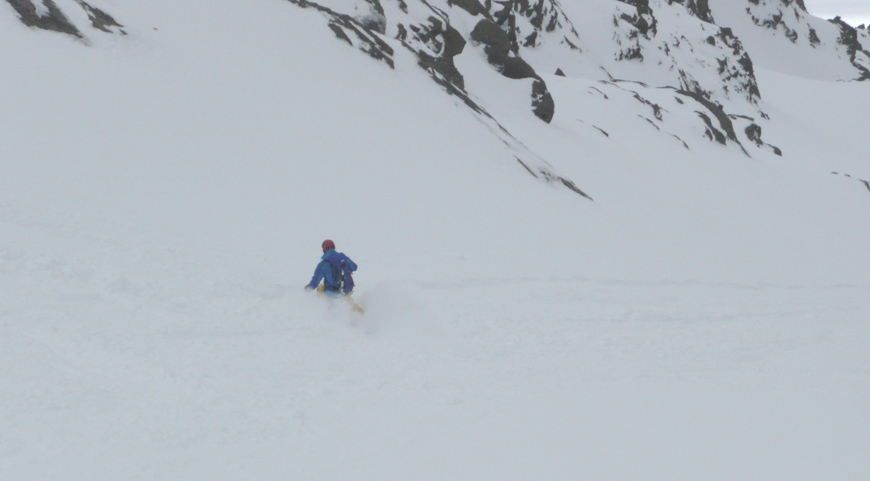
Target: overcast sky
{"type": "Point", "coordinates": [854, 12]}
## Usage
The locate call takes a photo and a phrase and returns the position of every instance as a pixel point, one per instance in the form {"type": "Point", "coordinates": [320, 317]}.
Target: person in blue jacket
{"type": "Point", "coordinates": [334, 270]}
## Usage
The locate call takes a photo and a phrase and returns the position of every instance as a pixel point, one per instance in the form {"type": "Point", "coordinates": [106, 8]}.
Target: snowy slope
{"type": "Point", "coordinates": [783, 36]}
{"type": "Point", "coordinates": [164, 194]}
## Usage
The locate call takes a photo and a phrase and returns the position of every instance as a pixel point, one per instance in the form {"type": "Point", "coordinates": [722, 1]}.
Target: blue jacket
{"type": "Point", "coordinates": [327, 273]}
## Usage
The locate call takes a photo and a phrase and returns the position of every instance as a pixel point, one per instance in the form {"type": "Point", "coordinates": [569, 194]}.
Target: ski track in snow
{"type": "Point", "coordinates": [161, 204]}
{"type": "Point", "coordinates": [560, 375]}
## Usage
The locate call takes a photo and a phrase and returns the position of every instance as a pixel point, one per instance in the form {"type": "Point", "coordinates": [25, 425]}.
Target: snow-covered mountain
{"type": "Point", "coordinates": [676, 45]}
{"type": "Point", "coordinates": [597, 239]}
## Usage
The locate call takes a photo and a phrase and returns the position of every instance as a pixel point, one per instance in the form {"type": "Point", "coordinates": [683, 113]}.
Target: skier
{"type": "Point", "coordinates": [334, 270]}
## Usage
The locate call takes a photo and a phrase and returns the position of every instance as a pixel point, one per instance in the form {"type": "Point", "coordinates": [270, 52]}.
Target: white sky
{"type": "Point", "coordinates": [854, 12]}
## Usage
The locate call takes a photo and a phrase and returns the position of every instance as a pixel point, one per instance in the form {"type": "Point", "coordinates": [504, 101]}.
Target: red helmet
{"type": "Point", "coordinates": [327, 244]}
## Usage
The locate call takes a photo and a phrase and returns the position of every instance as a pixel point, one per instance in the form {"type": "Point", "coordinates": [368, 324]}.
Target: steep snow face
{"type": "Point", "coordinates": [667, 44]}
{"type": "Point", "coordinates": [782, 35]}
{"type": "Point", "coordinates": [436, 39]}
{"type": "Point", "coordinates": [628, 50]}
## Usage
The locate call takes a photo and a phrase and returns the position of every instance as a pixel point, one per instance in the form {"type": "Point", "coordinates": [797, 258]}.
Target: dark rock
{"type": "Point", "coordinates": [657, 110]}
{"type": "Point", "coordinates": [531, 40]}
{"type": "Point", "coordinates": [602, 131]}
{"type": "Point", "coordinates": [681, 141]}
{"type": "Point", "coordinates": [717, 110]}
{"type": "Point", "coordinates": [641, 5]}
{"type": "Point", "coordinates": [445, 40]}
{"type": "Point", "coordinates": [100, 19]}
{"type": "Point", "coordinates": [744, 70]}
{"type": "Point", "coordinates": [471, 6]}
{"type": "Point", "coordinates": [339, 32]}
{"type": "Point", "coordinates": [542, 101]}
{"type": "Point", "coordinates": [443, 66]}
{"type": "Point", "coordinates": [496, 44]}
{"type": "Point", "coordinates": [517, 68]}
{"type": "Point", "coordinates": [712, 132]}
{"type": "Point", "coordinates": [643, 20]}
{"type": "Point", "coordinates": [698, 8]}
{"type": "Point", "coordinates": [753, 133]}
{"type": "Point", "coordinates": [344, 25]}
{"type": "Point", "coordinates": [527, 167]}
{"type": "Point", "coordinates": [454, 42]}
{"type": "Point", "coordinates": [651, 123]}
{"type": "Point", "coordinates": [496, 41]}
{"type": "Point", "coordinates": [639, 22]}
{"type": "Point", "coordinates": [55, 21]}
{"type": "Point", "coordinates": [849, 39]}
{"type": "Point", "coordinates": [702, 10]}
{"type": "Point", "coordinates": [814, 38]}
{"type": "Point", "coordinates": [550, 177]}
{"type": "Point", "coordinates": [560, 73]}
{"type": "Point", "coordinates": [572, 187]}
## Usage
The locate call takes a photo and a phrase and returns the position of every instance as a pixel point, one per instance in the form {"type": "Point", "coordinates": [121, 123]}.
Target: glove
{"type": "Point", "coordinates": [309, 288]}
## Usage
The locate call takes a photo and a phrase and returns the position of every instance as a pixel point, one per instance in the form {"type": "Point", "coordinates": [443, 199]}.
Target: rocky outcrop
{"type": "Point", "coordinates": [857, 54]}
{"type": "Point", "coordinates": [689, 54]}
{"type": "Point", "coordinates": [429, 33]}
{"type": "Point", "coordinates": [698, 8]}
{"type": "Point", "coordinates": [769, 14]}
{"type": "Point", "coordinates": [354, 32]}
{"type": "Point", "coordinates": [501, 48]}
{"type": "Point", "coordinates": [444, 40]}
{"type": "Point", "coordinates": [46, 15]}
{"type": "Point", "coordinates": [736, 69]}
{"type": "Point", "coordinates": [101, 20]}
{"type": "Point", "coordinates": [697, 55]}
{"type": "Point", "coordinates": [532, 22]}
{"type": "Point", "coordinates": [790, 20]}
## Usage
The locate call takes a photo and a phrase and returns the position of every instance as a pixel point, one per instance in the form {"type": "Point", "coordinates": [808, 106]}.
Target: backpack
{"type": "Point", "coordinates": [341, 269]}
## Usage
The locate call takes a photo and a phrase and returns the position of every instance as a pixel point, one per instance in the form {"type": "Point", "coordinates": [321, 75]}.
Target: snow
{"type": "Point", "coordinates": [41, 9]}
{"type": "Point", "coordinates": [164, 196]}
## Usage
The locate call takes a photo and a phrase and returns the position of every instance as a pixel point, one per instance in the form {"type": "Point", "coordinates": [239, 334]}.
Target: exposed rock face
{"type": "Point", "coordinates": [354, 32]}
{"type": "Point", "coordinates": [501, 50]}
{"type": "Point", "coordinates": [46, 15]}
{"type": "Point", "coordinates": [697, 55]}
{"type": "Point", "coordinates": [427, 29]}
{"type": "Point", "coordinates": [445, 41]}
{"type": "Point", "coordinates": [738, 67]}
{"type": "Point", "coordinates": [102, 20]}
{"type": "Point", "coordinates": [855, 50]}
{"type": "Point", "coordinates": [497, 43]}
{"type": "Point", "coordinates": [698, 8]}
{"type": "Point", "coordinates": [688, 53]}
{"type": "Point", "coordinates": [474, 7]}
{"type": "Point", "coordinates": [835, 40]}
{"type": "Point", "coordinates": [49, 17]}
{"type": "Point", "coordinates": [770, 14]}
